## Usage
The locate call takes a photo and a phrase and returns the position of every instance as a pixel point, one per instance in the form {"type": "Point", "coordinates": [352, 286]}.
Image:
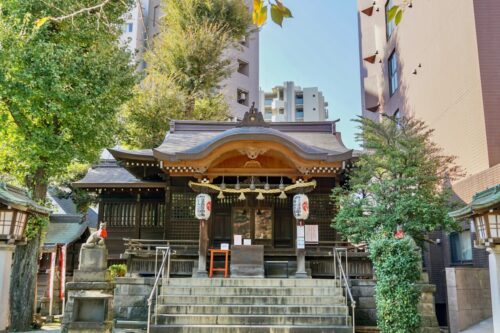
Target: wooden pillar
{"type": "Point", "coordinates": [203, 248]}
{"type": "Point", "coordinates": [300, 251]}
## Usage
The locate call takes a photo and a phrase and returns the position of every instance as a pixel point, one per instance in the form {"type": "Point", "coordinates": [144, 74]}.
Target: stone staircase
{"type": "Point", "coordinates": [251, 305]}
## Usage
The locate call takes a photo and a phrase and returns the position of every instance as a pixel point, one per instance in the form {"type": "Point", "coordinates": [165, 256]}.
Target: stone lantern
{"type": "Point", "coordinates": [15, 206]}
{"type": "Point", "coordinates": [484, 210]}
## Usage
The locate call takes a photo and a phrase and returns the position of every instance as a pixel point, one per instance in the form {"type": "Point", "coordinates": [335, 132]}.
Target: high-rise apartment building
{"type": "Point", "coordinates": [240, 89]}
{"type": "Point", "coordinates": [441, 64]}
{"type": "Point", "coordinates": [292, 103]}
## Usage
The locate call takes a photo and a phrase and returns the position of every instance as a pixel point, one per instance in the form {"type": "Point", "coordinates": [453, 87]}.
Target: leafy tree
{"type": "Point", "coordinates": [398, 184]}
{"type": "Point", "coordinates": [61, 82]}
{"type": "Point", "coordinates": [185, 65]}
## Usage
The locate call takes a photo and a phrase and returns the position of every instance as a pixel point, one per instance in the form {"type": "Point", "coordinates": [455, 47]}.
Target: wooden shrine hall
{"type": "Point", "coordinates": [251, 169]}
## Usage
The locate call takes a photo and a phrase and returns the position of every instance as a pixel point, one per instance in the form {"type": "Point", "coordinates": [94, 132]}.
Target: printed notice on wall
{"type": "Point", "coordinates": [312, 235]}
{"type": "Point", "coordinates": [300, 231]}
{"type": "Point", "coordinates": [237, 239]}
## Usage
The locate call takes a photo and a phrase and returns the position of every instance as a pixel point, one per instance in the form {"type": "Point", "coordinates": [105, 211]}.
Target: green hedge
{"type": "Point", "coordinates": [397, 265]}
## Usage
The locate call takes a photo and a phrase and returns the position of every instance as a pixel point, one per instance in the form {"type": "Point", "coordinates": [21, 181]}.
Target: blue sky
{"type": "Point", "coordinates": [318, 47]}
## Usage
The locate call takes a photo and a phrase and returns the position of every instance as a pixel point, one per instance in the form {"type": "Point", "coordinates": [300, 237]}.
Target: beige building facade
{"type": "Point", "coordinates": [441, 64]}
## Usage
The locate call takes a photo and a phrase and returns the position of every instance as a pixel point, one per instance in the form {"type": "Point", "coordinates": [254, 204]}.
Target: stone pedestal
{"type": "Point", "coordinates": [90, 296]}
{"type": "Point", "coordinates": [301, 264]}
{"type": "Point", "coordinates": [6, 252]}
{"type": "Point", "coordinates": [247, 261]}
{"type": "Point", "coordinates": [494, 261]}
{"type": "Point", "coordinates": [429, 323]}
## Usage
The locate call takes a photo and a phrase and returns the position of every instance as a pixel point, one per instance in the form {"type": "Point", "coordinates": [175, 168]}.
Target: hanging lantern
{"type": "Point", "coordinates": [282, 195]}
{"type": "Point", "coordinates": [260, 196]}
{"type": "Point", "coordinates": [203, 206]}
{"type": "Point", "coordinates": [301, 206]}
{"type": "Point", "coordinates": [221, 195]}
{"type": "Point", "coordinates": [242, 196]}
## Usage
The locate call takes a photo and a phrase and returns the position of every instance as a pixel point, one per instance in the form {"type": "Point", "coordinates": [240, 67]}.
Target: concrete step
{"type": "Point", "coordinates": [248, 300]}
{"type": "Point", "coordinates": [253, 291]}
{"type": "Point", "coordinates": [248, 329]}
{"type": "Point", "coordinates": [257, 320]}
{"type": "Point", "coordinates": [254, 309]}
{"type": "Point", "coordinates": [255, 282]}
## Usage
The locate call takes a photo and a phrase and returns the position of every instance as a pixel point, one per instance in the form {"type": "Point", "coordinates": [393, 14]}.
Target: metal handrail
{"type": "Point", "coordinates": [337, 261]}
{"type": "Point", "coordinates": [165, 252]}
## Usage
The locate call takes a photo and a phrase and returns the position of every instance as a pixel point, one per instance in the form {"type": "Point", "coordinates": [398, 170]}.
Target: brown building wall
{"type": "Point", "coordinates": [486, 14]}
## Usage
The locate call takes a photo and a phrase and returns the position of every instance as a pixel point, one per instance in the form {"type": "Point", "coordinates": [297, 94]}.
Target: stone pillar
{"type": "Point", "coordinates": [6, 252]}
{"type": "Point", "coordinates": [203, 248]}
{"type": "Point", "coordinates": [90, 295]}
{"type": "Point", "coordinates": [494, 261]}
{"type": "Point", "coordinates": [301, 252]}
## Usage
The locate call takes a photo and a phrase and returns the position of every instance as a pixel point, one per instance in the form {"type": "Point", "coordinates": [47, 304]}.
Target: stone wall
{"type": "Point", "coordinates": [469, 297]}
{"type": "Point", "coordinates": [131, 294]}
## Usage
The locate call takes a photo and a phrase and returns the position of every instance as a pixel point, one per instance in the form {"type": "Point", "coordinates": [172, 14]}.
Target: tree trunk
{"type": "Point", "coordinates": [23, 284]}
{"type": "Point", "coordinates": [25, 267]}
{"type": "Point", "coordinates": [190, 102]}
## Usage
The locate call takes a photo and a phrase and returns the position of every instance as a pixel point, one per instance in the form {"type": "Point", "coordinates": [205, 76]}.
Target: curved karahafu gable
{"type": "Point", "coordinates": [249, 147]}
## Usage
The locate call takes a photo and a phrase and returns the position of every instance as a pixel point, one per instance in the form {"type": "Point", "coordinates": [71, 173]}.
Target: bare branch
{"type": "Point", "coordinates": [99, 6]}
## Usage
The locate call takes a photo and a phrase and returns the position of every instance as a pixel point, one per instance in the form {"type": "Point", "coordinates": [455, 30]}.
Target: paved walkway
{"type": "Point", "coordinates": [485, 326]}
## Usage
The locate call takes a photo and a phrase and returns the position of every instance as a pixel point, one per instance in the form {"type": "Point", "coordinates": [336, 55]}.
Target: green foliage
{"type": "Point", "coordinates": [61, 84]}
{"type": "Point", "coordinates": [185, 66]}
{"type": "Point", "coordinates": [400, 181]}
{"type": "Point", "coordinates": [36, 225]}
{"type": "Point", "coordinates": [63, 186]}
{"type": "Point", "coordinates": [398, 267]}
{"type": "Point", "coordinates": [117, 270]}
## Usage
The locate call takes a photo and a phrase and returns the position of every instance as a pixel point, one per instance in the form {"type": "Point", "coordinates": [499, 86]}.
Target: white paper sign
{"type": "Point", "coordinates": [300, 231]}
{"type": "Point", "coordinates": [224, 246]}
{"type": "Point", "coordinates": [247, 241]}
{"type": "Point", "coordinates": [312, 235]}
{"type": "Point", "coordinates": [300, 243]}
{"type": "Point", "coordinates": [237, 239]}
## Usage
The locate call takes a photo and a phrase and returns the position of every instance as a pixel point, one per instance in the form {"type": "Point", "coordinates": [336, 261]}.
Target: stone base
{"type": "Point", "coordinates": [93, 259]}
{"type": "Point", "coordinates": [89, 327]}
{"type": "Point", "coordinates": [301, 275]}
{"type": "Point", "coordinates": [200, 274]}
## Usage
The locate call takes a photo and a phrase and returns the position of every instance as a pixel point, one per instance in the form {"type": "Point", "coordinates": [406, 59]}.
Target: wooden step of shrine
{"type": "Point", "coordinates": [251, 305]}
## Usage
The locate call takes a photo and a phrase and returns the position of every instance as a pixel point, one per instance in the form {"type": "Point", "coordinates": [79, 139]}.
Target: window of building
{"type": "Point", "coordinates": [461, 247]}
{"type": "Point", "coordinates": [156, 12]}
{"type": "Point", "coordinates": [243, 67]}
{"type": "Point", "coordinates": [268, 102]}
{"type": "Point", "coordinates": [393, 73]}
{"type": "Point", "coordinates": [281, 111]}
{"type": "Point", "coordinates": [299, 113]}
{"type": "Point", "coordinates": [389, 25]}
{"type": "Point", "coordinates": [242, 96]}
{"type": "Point", "coordinates": [130, 27]}
{"type": "Point", "coordinates": [299, 99]}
